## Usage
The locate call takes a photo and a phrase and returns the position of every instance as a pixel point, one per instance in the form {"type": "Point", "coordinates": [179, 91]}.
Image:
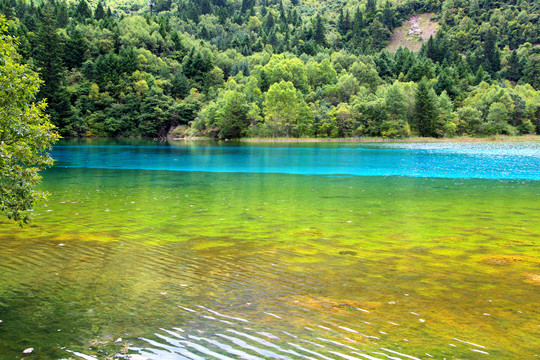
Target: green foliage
{"type": "Point", "coordinates": [25, 133]}
{"type": "Point", "coordinates": [281, 108]}
{"type": "Point", "coordinates": [228, 116]}
{"type": "Point", "coordinates": [425, 114]}
{"type": "Point", "coordinates": [207, 67]}
{"type": "Point", "coordinates": [469, 121]}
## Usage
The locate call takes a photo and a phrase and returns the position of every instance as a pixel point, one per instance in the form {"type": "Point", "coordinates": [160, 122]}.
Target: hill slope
{"type": "Point", "coordinates": [223, 69]}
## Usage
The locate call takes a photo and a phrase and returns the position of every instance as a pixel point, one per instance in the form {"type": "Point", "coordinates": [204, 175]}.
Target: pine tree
{"type": "Point", "coordinates": [83, 10]}
{"type": "Point", "coordinates": [75, 49]}
{"type": "Point", "coordinates": [429, 49]}
{"type": "Point", "coordinates": [62, 18]}
{"type": "Point", "coordinates": [531, 73]}
{"type": "Point", "coordinates": [341, 24]}
{"type": "Point", "coordinates": [425, 114]}
{"type": "Point", "coordinates": [514, 72]}
{"type": "Point", "coordinates": [445, 82]}
{"type": "Point", "coordinates": [48, 58]}
{"type": "Point", "coordinates": [205, 7]}
{"type": "Point", "coordinates": [99, 13]}
{"type": "Point", "coordinates": [177, 41]}
{"type": "Point", "coordinates": [388, 15]}
{"type": "Point", "coordinates": [247, 5]}
{"type": "Point", "coordinates": [128, 60]}
{"type": "Point", "coordinates": [269, 21]}
{"type": "Point", "coordinates": [371, 7]}
{"type": "Point", "coordinates": [319, 32]}
{"type": "Point", "coordinates": [492, 56]}
{"type": "Point", "coordinates": [180, 86]}
{"type": "Point", "coordinates": [358, 25]}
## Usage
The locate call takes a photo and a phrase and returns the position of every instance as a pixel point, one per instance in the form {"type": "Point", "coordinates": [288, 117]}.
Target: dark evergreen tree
{"type": "Point", "coordinates": [48, 57]}
{"type": "Point", "coordinates": [404, 60]}
{"type": "Point", "coordinates": [319, 32]}
{"type": "Point", "coordinates": [188, 64]}
{"type": "Point", "coordinates": [341, 24]}
{"type": "Point", "coordinates": [480, 76]}
{"type": "Point", "coordinates": [385, 64]}
{"type": "Point", "coordinates": [83, 11]}
{"type": "Point", "coordinates": [99, 13]}
{"type": "Point", "coordinates": [425, 113]}
{"type": "Point", "coordinates": [180, 85]}
{"type": "Point", "coordinates": [514, 70]}
{"type": "Point", "coordinates": [492, 56]}
{"type": "Point", "coordinates": [178, 45]}
{"type": "Point", "coordinates": [128, 60]}
{"type": "Point", "coordinates": [358, 25]}
{"type": "Point", "coordinates": [371, 7]}
{"type": "Point", "coordinates": [269, 21]}
{"type": "Point", "coordinates": [75, 50]}
{"type": "Point", "coordinates": [379, 34]}
{"type": "Point", "coordinates": [205, 7]}
{"type": "Point", "coordinates": [388, 15]}
{"type": "Point", "coordinates": [108, 69]}
{"type": "Point", "coordinates": [247, 5]}
{"type": "Point", "coordinates": [62, 17]}
{"type": "Point", "coordinates": [445, 82]}
{"type": "Point", "coordinates": [429, 49]}
{"type": "Point", "coordinates": [531, 73]}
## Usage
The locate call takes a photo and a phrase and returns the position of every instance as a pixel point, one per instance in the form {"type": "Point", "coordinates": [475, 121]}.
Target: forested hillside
{"type": "Point", "coordinates": [281, 68]}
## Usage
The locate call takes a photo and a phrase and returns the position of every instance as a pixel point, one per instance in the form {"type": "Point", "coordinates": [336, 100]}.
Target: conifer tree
{"type": "Point", "coordinates": [371, 7]}
{"type": "Point", "coordinates": [492, 56]}
{"type": "Point", "coordinates": [83, 10]}
{"type": "Point", "coordinates": [425, 113]}
{"type": "Point", "coordinates": [99, 13]}
{"type": "Point", "coordinates": [319, 32]}
{"type": "Point", "coordinates": [514, 70]}
{"type": "Point", "coordinates": [75, 49]}
{"type": "Point", "coordinates": [48, 58]}
{"type": "Point", "coordinates": [180, 86]}
{"type": "Point", "coordinates": [62, 18]}
{"type": "Point", "coordinates": [388, 15]}
{"type": "Point", "coordinates": [445, 82]}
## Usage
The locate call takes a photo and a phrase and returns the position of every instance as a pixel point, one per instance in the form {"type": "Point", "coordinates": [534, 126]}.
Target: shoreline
{"type": "Point", "coordinates": [499, 138]}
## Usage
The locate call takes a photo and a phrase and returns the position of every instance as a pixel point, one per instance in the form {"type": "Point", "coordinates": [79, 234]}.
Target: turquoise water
{"type": "Point", "coordinates": [451, 160]}
{"type": "Point", "coordinates": [139, 255]}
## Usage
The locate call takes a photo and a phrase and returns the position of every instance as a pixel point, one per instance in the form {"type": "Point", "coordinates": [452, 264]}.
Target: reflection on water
{"type": "Point", "coordinates": [451, 160]}
{"type": "Point", "coordinates": [195, 265]}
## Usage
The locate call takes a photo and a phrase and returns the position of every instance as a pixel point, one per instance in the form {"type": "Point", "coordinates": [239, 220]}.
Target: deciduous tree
{"type": "Point", "coordinates": [25, 134]}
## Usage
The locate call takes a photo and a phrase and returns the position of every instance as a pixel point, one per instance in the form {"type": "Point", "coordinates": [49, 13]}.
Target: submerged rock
{"type": "Point", "coordinates": [348, 252]}
{"type": "Point", "coordinates": [501, 260]}
{"type": "Point", "coordinates": [533, 278]}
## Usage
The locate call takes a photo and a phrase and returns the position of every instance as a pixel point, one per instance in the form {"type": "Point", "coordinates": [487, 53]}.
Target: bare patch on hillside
{"type": "Point", "coordinates": [413, 32]}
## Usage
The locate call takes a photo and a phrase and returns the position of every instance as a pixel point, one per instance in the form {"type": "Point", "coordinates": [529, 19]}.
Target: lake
{"type": "Point", "coordinates": [193, 250]}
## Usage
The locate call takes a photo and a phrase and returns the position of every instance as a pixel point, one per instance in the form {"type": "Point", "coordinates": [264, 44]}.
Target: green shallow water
{"type": "Point", "coordinates": [340, 266]}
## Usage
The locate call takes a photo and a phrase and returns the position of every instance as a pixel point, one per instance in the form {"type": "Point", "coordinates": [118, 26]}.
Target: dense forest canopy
{"type": "Point", "coordinates": [281, 68]}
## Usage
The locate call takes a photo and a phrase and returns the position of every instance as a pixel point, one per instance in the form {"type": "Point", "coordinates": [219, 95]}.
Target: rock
{"type": "Point", "coordinates": [501, 260]}
{"type": "Point", "coordinates": [533, 278]}
{"type": "Point", "coordinates": [28, 351]}
{"type": "Point", "coordinates": [348, 252]}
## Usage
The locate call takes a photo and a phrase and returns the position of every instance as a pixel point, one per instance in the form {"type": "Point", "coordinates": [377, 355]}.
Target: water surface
{"type": "Point", "coordinates": [290, 251]}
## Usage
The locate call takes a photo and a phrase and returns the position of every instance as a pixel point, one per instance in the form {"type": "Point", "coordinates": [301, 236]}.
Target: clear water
{"type": "Point", "coordinates": [191, 251]}
{"type": "Point", "coordinates": [450, 160]}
